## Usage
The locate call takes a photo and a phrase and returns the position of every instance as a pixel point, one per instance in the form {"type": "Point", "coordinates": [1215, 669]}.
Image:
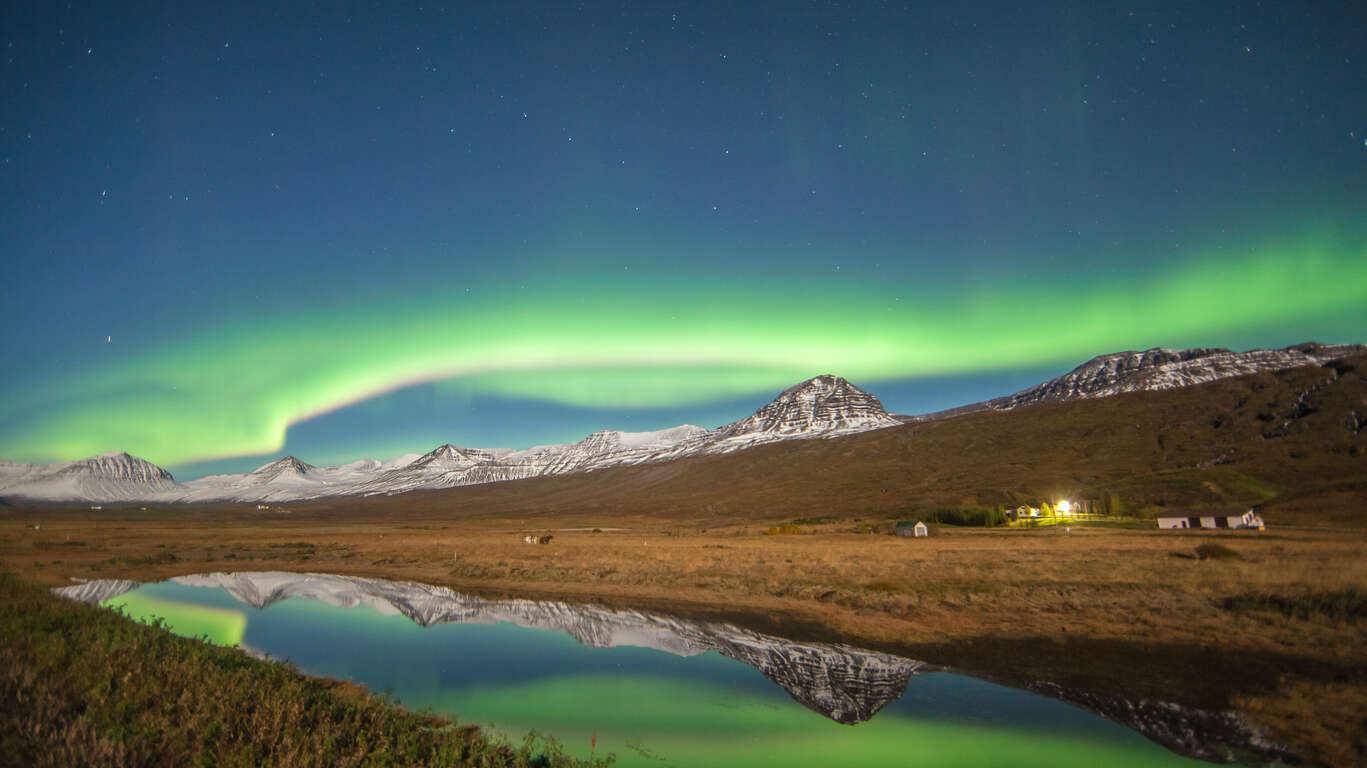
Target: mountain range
{"type": "Point", "coordinates": [822, 407]}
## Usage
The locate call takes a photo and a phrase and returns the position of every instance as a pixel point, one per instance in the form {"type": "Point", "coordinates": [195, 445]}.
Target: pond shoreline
{"type": "Point", "coordinates": [842, 682]}
{"type": "Point", "coordinates": [81, 685]}
{"type": "Point", "coordinates": [1105, 611]}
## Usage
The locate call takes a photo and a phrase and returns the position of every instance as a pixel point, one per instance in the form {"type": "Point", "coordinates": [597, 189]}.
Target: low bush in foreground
{"type": "Point", "coordinates": [1210, 551]}
{"type": "Point", "coordinates": [80, 685]}
{"type": "Point", "coordinates": [1347, 605]}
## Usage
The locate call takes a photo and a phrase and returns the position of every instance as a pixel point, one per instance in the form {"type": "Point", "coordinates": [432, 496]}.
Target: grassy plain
{"type": "Point", "coordinates": [1135, 612]}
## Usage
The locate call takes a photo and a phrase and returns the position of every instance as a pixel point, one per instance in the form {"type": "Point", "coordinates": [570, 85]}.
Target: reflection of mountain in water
{"type": "Point", "coordinates": [1219, 737]}
{"type": "Point", "coordinates": [97, 590]}
{"type": "Point", "coordinates": [846, 684]}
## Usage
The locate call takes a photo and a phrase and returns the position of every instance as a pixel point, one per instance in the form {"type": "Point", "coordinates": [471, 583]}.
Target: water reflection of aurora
{"type": "Point", "coordinates": [644, 705]}
{"type": "Point", "coordinates": [221, 626]}
{"type": "Point", "coordinates": [644, 719]}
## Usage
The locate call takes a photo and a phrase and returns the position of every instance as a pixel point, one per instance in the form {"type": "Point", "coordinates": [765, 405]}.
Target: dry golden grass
{"type": "Point", "coordinates": [1136, 607]}
{"type": "Point", "coordinates": [82, 686]}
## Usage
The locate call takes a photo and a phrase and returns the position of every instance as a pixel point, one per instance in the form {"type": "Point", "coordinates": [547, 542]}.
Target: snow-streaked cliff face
{"type": "Point", "coordinates": [819, 406]}
{"type": "Point", "coordinates": [843, 683]}
{"type": "Point", "coordinates": [1155, 369]}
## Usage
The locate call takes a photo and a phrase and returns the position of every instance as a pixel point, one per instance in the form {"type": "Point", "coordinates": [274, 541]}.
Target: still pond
{"type": "Point", "coordinates": [653, 690]}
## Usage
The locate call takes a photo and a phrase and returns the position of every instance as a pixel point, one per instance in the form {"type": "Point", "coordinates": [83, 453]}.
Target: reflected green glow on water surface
{"type": "Point", "coordinates": [641, 718]}
{"type": "Point", "coordinates": [222, 626]}
{"type": "Point", "coordinates": [699, 705]}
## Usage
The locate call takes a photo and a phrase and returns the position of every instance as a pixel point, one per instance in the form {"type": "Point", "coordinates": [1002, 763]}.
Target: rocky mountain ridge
{"type": "Point", "coordinates": [823, 406]}
{"type": "Point", "coordinates": [1155, 369]}
{"type": "Point", "coordinates": [107, 477]}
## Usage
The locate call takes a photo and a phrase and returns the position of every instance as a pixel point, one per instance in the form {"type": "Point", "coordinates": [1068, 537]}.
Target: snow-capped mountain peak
{"type": "Point", "coordinates": [446, 458]}
{"type": "Point", "coordinates": [820, 405]}
{"type": "Point", "coordinates": [106, 477]}
{"type": "Point", "coordinates": [288, 466]}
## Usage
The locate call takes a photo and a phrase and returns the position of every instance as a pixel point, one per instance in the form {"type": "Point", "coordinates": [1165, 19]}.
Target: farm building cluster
{"type": "Point", "coordinates": [1248, 519]}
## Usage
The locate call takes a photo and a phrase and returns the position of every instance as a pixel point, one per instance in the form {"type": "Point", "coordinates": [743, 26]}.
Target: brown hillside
{"type": "Point", "coordinates": [1288, 441]}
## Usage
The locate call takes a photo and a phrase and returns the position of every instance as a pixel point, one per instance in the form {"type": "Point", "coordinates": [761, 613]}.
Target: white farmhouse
{"type": "Point", "coordinates": [1249, 519]}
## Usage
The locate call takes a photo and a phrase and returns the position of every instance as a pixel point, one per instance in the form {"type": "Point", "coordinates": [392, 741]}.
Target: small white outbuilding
{"type": "Point", "coordinates": [920, 529]}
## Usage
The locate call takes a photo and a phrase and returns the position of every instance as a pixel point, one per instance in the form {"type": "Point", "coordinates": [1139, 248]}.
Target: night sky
{"type": "Point", "coordinates": [230, 231]}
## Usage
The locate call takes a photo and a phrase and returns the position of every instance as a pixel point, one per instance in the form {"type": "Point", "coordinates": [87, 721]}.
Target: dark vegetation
{"type": "Point", "coordinates": [981, 517]}
{"type": "Point", "coordinates": [1347, 605]}
{"type": "Point", "coordinates": [80, 685]}
{"type": "Point", "coordinates": [1213, 551]}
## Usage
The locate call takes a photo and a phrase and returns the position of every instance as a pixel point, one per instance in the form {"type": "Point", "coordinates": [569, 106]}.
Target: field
{"type": "Point", "coordinates": [1272, 624]}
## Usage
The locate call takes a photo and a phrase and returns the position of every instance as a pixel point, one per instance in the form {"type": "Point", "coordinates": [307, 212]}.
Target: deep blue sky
{"type": "Point", "coordinates": [221, 221]}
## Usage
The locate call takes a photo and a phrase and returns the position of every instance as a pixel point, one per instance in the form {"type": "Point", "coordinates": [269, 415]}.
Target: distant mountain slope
{"type": "Point", "coordinates": [1167, 369]}
{"type": "Point", "coordinates": [1155, 369]}
{"type": "Point", "coordinates": [106, 477]}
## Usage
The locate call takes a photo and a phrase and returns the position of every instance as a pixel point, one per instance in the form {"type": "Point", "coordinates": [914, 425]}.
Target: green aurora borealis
{"type": "Point", "coordinates": [236, 389]}
{"type": "Point", "coordinates": [226, 236]}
